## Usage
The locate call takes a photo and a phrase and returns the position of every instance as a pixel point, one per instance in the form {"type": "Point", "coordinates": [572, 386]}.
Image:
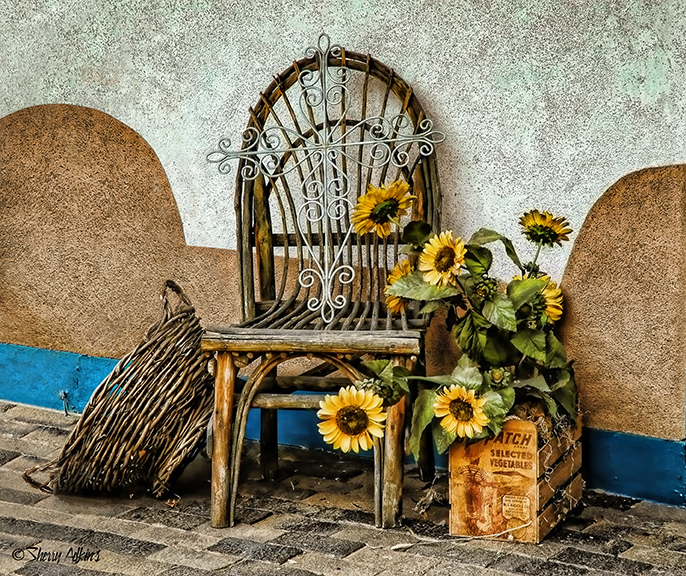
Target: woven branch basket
{"type": "Point", "coordinates": [147, 420]}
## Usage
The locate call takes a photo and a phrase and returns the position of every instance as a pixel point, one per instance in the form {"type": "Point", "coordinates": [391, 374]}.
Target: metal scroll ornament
{"type": "Point", "coordinates": [319, 153]}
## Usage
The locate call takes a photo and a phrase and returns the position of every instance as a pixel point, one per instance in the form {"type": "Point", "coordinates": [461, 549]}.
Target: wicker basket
{"type": "Point", "coordinates": [147, 420]}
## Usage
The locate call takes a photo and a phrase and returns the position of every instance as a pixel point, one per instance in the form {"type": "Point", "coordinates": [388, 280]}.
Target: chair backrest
{"type": "Point", "coordinates": [324, 130]}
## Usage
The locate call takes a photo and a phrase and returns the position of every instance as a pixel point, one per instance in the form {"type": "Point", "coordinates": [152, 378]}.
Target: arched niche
{"type": "Point", "coordinates": [89, 232]}
{"type": "Point", "coordinates": [625, 294]}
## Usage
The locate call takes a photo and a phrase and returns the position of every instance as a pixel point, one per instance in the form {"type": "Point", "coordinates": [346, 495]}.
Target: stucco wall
{"type": "Point", "coordinates": [544, 103]}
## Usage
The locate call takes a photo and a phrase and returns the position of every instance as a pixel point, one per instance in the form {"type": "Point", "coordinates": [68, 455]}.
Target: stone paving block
{"type": "Point", "coordinates": [605, 541]}
{"type": "Point", "coordinates": [201, 560]}
{"type": "Point", "coordinates": [266, 489]}
{"type": "Point", "coordinates": [42, 530]}
{"type": "Point", "coordinates": [346, 515]}
{"type": "Point", "coordinates": [451, 569]}
{"type": "Point", "coordinates": [119, 544]}
{"type": "Point", "coordinates": [45, 416]}
{"type": "Point", "coordinates": [269, 551]}
{"type": "Point", "coordinates": [256, 533]}
{"type": "Point", "coordinates": [89, 505]}
{"type": "Point", "coordinates": [23, 462]}
{"type": "Point", "coordinates": [7, 456]}
{"type": "Point", "coordinates": [167, 517]}
{"type": "Point", "coordinates": [35, 443]}
{"type": "Point", "coordinates": [455, 553]}
{"type": "Point", "coordinates": [390, 562]}
{"type": "Point", "coordinates": [535, 566]}
{"type": "Point", "coordinates": [175, 537]}
{"type": "Point", "coordinates": [373, 537]}
{"type": "Point", "coordinates": [15, 428]}
{"type": "Point", "coordinates": [305, 525]}
{"type": "Point", "coordinates": [21, 496]}
{"type": "Point", "coordinates": [256, 568]}
{"type": "Point", "coordinates": [318, 563]}
{"type": "Point", "coordinates": [319, 543]}
{"type": "Point", "coordinates": [276, 505]}
{"type": "Point", "coordinates": [11, 542]}
{"type": "Point", "coordinates": [658, 557]}
{"type": "Point", "coordinates": [659, 512]}
{"type": "Point", "coordinates": [598, 499]}
{"type": "Point", "coordinates": [586, 559]}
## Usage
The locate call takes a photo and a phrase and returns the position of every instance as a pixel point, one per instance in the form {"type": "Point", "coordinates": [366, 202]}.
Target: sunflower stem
{"type": "Point", "coordinates": [538, 251]}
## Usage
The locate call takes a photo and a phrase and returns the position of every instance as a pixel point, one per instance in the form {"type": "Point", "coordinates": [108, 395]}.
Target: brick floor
{"type": "Point", "coordinates": [315, 520]}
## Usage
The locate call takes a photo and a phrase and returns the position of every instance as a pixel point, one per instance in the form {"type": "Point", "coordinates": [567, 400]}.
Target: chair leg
{"type": "Point", "coordinates": [225, 381]}
{"type": "Point", "coordinates": [392, 476]}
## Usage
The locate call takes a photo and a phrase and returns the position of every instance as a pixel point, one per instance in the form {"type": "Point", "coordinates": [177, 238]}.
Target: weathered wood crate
{"type": "Point", "coordinates": [508, 488]}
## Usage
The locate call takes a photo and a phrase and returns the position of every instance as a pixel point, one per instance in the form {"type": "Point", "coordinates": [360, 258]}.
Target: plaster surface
{"type": "Point", "coordinates": [625, 288]}
{"type": "Point", "coordinates": [89, 233]}
{"type": "Point", "coordinates": [545, 103]}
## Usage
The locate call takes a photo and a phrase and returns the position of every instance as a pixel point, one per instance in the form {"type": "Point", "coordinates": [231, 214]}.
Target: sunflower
{"type": "Point", "coordinates": [351, 419]}
{"type": "Point", "coordinates": [379, 207]}
{"type": "Point", "coordinates": [549, 300]}
{"type": "Point", "coordinates": [544, 228]}
{"type": "Point", "coordinates": [461, 410]}
{"type": "Point", "coordinates": [397, 304]}
{"type": "Point", "coordinates": [441, 259]}
{"type": "Point", "coordinates": [552, 296]}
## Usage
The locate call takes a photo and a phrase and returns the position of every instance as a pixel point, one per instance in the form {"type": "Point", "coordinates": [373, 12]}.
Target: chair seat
{"type": "Point", "coordinates": [233, 339]}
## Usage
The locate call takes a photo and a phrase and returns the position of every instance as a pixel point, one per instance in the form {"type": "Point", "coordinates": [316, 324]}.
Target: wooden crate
{"type": "Point", "coordinates": [506, 487]}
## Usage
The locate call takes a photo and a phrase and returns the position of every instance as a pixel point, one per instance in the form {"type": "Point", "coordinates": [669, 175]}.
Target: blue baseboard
{"type": "Point", "coordinates": [635, 466]}
{"type": "Point", "coordinates": [626, 464]}
{"type": "Point", "coordinates": [37, 376]}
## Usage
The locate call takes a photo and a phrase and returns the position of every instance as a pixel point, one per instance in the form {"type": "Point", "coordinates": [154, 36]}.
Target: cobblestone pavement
{"type": "Point", "coordinates": [316, 520]}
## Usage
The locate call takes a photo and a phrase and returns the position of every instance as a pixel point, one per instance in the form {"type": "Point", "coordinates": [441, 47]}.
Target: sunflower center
{"type": "Point", "coordinates": [445, 259]}
{"type": "Point", "coordinates": [352, 420]}
{"type": "Point", "coordinates": [461, 410]}
{"type": "Point", "coordinates": [384, 211]}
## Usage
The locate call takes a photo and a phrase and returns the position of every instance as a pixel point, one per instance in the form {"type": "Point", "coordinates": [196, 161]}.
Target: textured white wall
{"type": "Point", "coordinates": [544, 103]}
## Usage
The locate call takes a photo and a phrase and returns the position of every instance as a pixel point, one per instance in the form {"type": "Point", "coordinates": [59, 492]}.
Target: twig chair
{"type": "Point", "coordinates": [325, 128]}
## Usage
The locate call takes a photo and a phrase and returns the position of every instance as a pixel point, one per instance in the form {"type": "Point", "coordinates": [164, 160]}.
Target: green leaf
{"type": "Point", "coordinates": [478, 260]}
{"type": "Point", "coordinates": [531, 343]}
{"type": "Point", "coordinates": [523, 291]}
{"type": "Point", "coordinates": [485, 236]}
{"type": "Point", "coordinates": [500, 312]}
{"type": "Point", "coordinates": [537, 382]}
{"type": "Point", "coordinates": [564, 390]}
{"type": "Point", "coordinates": [442, 438]}
{"type": "Point", "coordinates": [416, 233]}
{"type": "Point", "coordinates": [382, 369]}
{"type": "Point", "coordinates": [413, 287]}
{"type": "Point", "coordinates": [422, 415]}
{"type": "Point", "coordinates": [431, 306]}
{"type": "Point", "coordinates": [556, 356]}
{"type": "Point", "coordinates": [468, 376]}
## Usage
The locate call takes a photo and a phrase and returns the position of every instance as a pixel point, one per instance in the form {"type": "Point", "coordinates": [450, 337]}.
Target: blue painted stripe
{"type": "Point", "coordinates": [37, 376]}
{"type": "Point", "coordinates": [636, 466]}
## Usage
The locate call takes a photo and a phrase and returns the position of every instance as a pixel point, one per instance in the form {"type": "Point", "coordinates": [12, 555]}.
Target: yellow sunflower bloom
{"type": "Point", "coordinates": [552, 295]}
{"type": "Point", "coordinates": [461, 411]}
{"type": "Point", "coordinates": [397, 304]}
{"type": "Point", "coordinates": [550, 300]}
{"type": "Point", "coordinates": [441, 259]}
{"type": "Point", "coordinates": [544, 228]}
{"type": "Point", "coordinates": [375, 211]}
{"type": "Point", "coordinates": [351, 418]}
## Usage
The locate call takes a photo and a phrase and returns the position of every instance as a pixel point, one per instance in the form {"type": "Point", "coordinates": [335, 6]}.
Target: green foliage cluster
{"type": "Point", "coordinates": [510, 352]}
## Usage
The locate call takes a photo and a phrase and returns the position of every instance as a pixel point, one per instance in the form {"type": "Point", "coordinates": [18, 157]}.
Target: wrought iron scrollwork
{"type": "Point", "coordinates": [325, 188]}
